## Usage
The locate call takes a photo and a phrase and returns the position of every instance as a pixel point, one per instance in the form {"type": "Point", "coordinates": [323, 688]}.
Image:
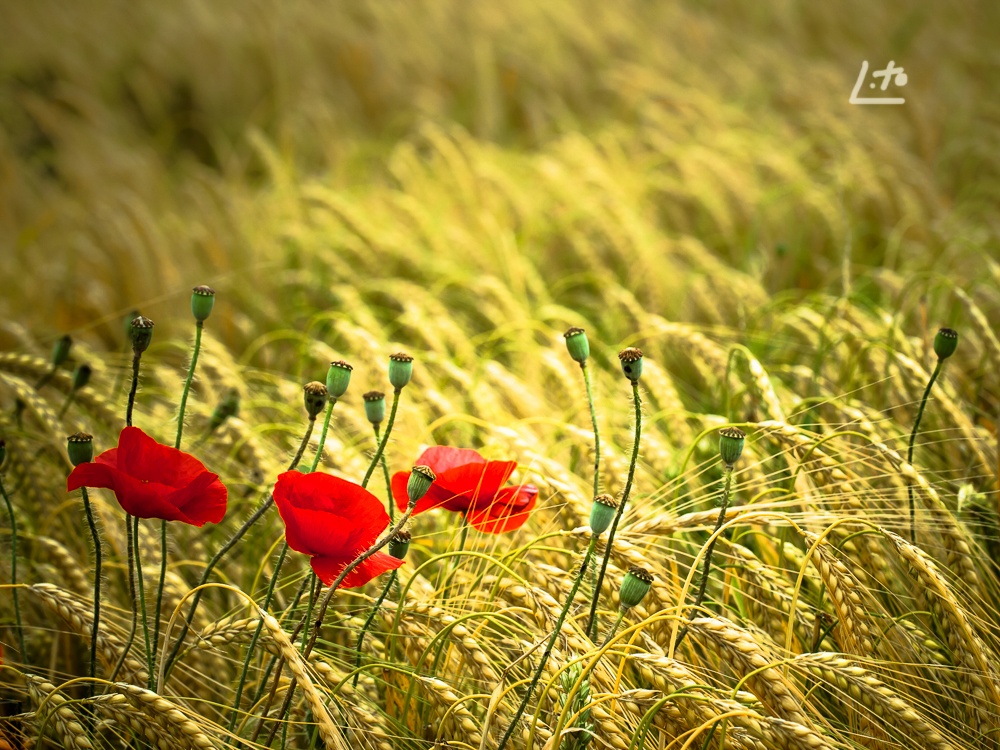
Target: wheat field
{"type": "Point", "coordinates": [464, 182]}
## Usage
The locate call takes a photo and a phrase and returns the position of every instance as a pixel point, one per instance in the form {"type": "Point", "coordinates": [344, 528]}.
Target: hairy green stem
{"type": "Point", "coordinates": [593, 422]}
{"type": "Point", "coordinates": [142, 606]}
{"type": "Point", "coordinates": [135, 385]}
{"type": "Point", "coordinates": [322, 434]}
{"type": "Point", "coordinates": [132, 596]}
{"type": "Point", "coordinates": [614, 628]}
{"type": "Point", "coordinates": [97, 580]}
{"type": "Point", "coordinates": [385, 438]}
{"type": "Point", "coordinates": [368, 623]}
{"type": "Point", "coordinates": [909, 452]}
{"type": "Point", "coordinates": [13, 572]}
{"type": "Point", "coordinates": [388, 481]}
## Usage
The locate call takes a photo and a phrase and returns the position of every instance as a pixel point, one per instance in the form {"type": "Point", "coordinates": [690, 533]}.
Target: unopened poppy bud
{"type": "Point", "coordinates": [577, 344]}
{"type": "Point", "coordinates": [635, 586]}
{"type": "Point", "coordinates": [81, 376]}
{"type": "Point", "coordinates": [228, 407]}
{"type": "Point", "coordinates": [374, 406]}
{"type": "Point", "coordinates": [128, 323]}
{"type": "Point", "coordinates": [602, 513]}
{"type": "Point", "coordinates": [314, 396]}
{"type": "Point", "coordinates": [202, 302]}
{"type": "Point", "coordinates": [731, 441]}
{"type": "Point", "coordinates": [399, 545]}
{"type": "Point", "coordinates": [400, 369]}
{"type": "Point", "coordinates": [60, 350]}
{"type": "Point", "coordinates": [631, 360]}
{"type": "Point", "coordinates": [80, 448]}
{"type": "Point", "coordinates": [338, 377]}
{"type": "Point", "coordinates": [421, 479]}
{"type": "Point", "coordinates": [141, 333]}
{"type": "Point", "coordinates": [945, 343]}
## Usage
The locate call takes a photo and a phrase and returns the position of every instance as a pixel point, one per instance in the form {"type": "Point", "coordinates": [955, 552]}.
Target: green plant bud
{"type": "Point", "coordinates": [577, 344]}
{"type": "Point", "coordinates": [602, 513]}
{"type": "Point", "coordinates": [128, 323]}
{"type": "Point", "coordinates": [400, 369]}
{"type": "Point", "coordinates": [421, 479]}
{"type": "Point", "coordinates": [399, 545]}
{"type": "Point", "coordinates": [141, 332]}
{"type": "Point", "coordinates": [81, 376]}
{"type": "Point", "coordinates": [60, 350]}
{"type": "Point", "coordinates": [314, 397]}
{"type": "Point", "coordinates": [80, 448]}
{"type": "Point", "coordinates": [374, 406]}
{"type": "Point", "coordinates": [731, 441]}
{"type": "Point", "coordinates": [202, 302]}
{"type": "Point", "coordinates": [631, 360]}
{"type": "Point", "coordinates": [338, 377]}
{"type": "Point", "coordinates": [945, 343]}
{"type": "Point", "coordinates": [228, 407]}
{"type": "Point", "coordinates": [635, 586]}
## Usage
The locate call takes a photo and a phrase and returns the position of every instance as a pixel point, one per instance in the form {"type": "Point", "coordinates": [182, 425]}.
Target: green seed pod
{"type": "Point", "coordinates": [635, 586]}
{"type": "Point", "coordinates": [338, 377]}
{"type": "Point", "coordinates": [60, 350]}
{"type": "Point", "coordinates": [374, 406]}
{"type": "Point", "coordinates": [141, 332]}
{"type": "Point", "coordinates": [631, 360]}
{"type": "Point", "coordinates": [945, 343]}
{"type": "Point", "coordinates": [399, 545]}
{"type": "Point", "coordinates": [228, 407]}
{"type": "Point", "coordinates": [577, 344]}
{"type": "Point", "coordinates": [602, 513]}
{"type": "Point", "coordinates": [81, 376]}
{"type": "Point", "coordinates": [731, 441]}
{"type": "Point", "coordinates": [202, 302]}
{"type": "Point", "coordinates": [421, 479]}
{"type": "Point", "coordinates": [400, 369]}
{"type": "Point", "coordinates": [314, 397]}
{"type": "Point", "coordinates": [80, 448]}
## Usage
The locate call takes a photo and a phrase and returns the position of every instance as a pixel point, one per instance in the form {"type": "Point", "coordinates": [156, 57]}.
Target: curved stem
{"type": "Point", "coordinates": [368, 623]}
{"type": "Point", "coordinates": [142, 605]}
{"type": "Point", "coordinates": [13, 572]}
{"type": "Point", "coordinates": [199, 327]}
{"type": "Point", "coordinates": [385, 438]}
{"type": "Point", "coordinates": [909, 452]}
{"type": "Point", "coordinates": [322, 434]}
{"type": "Point", "coordinates": [592, 622]}
{"type": "Point", "coordinates": [388, 481]}
{"type": "Point", "coordinates": [132, 595]}
{"type": "Point", "coordinates": [593, 422]}
{"type": "Point", "coordinates": [97, 580]}
{"type": "Point", "coordinates": [614, 628]}
{"type": "Point", "coordinates": [132, 389]}
{"type": "Point", "coordinates": [551, 644]}
{"type": "Point", "coordinates": [159, 595]}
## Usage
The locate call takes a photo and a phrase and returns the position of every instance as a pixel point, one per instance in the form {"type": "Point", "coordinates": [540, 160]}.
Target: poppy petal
{"type": "Point", "coordinates": [146, 499]}
{"type": "Point", "coordinates": [436, 496]}
{"type": "Point", "coordinates": [477, 482]}
{"type": "Point", "coordinates": [203, 501]}
{"type": "Point", "coordinates": [141, 456]}
{"type": "Point", "coordinates": [441, 458]}
{"type": "Point", "coordinates": [91, 475]}
{"type": "Point", "coordinates": [510, 511]}
{"type": "Point", "coordinates": [328, 568]}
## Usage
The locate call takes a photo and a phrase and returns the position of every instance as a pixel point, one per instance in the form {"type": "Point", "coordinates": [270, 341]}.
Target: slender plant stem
{"type": "Point", "coordinates": [593, 422]}
{"type": "Point", "coordinates": [131, 393]}
{"type": "Point", "coordinates": [13, 572]}
{"type": "Point", "coordinates": [385, 438]}
{"type": "Point", "coordinates": [306, 581]}
{"type": "Point", "coordinates": [368, 623]}
{"type": "Point", "coordinates": [388, 481]}
{"type": "Point", "coordinates": [322, 434]}
{"type": "Point", "coordinates": [311, 603]}
{"type": "Point", "coordinates": [199, 327]}
{"type": "Point", "coordinates": [550, 645]}
{"type": "Point", "coordinates": [909, 452]}
{"type": "Point", "coordinates": [159, 594]}
{"type": "Point", "coordinates": [592, 622]}
{"type": "Point", "coordinates": [66, 403]}
{"type": "Point", "coordinates": [614, 628]}
{"type": "Point", "coordinates": [132, 595]}
{"type": "Point", "coordinates": [97, 580]}
{"type": "Point", "coordinates": [142, 605]}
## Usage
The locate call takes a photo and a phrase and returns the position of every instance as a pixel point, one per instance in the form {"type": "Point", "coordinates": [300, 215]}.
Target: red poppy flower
{"type": "Point", "coordinates": [468, 483]}
{"type": "Point", "coordinates": [333, 521]}
{"type": "Point", "coordinates": [152, 480]}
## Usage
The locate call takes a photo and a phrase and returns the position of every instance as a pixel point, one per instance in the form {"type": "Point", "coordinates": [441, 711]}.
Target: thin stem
{"type": "Point", "coordinates": [13, 572]}
{"type": "Point", "coordinates": [142, 606]}
{"type": "Point", "coordinates": [322, 435]}
{"type": "Point", "coordinates": [592, 622]}
{"type": "Point", "coordinates": [302, 445]}
{"type": "Point", "coordinates": [131, 393]}
{"type": "Point", "coordinates": [385, 438]}
{"type": "Point", "coordinates": [388, 482]}
{"type": "Point", "coordinates": [159, 594]}
{"type": "Point", "coordinates": [97, 581]}
{"type": "Point", "coordinates": [368, 623]}
{"type": "Point", "coordinates": [614, 628]}
{"type": "Point", "coordinates": [66, 404]}
{"type": "Point", "coordinates": [550, 645]}
{"type": "Point", "coordinates": [909, 453]}
{"type": "Point", "coordinates": [313, 593]}
{"type": "Point", "coordinates": [593, 422]}
{"type": "Point", "coordinates": [199, 327]}
{"type": "Point", "coordinates": [132, 595]}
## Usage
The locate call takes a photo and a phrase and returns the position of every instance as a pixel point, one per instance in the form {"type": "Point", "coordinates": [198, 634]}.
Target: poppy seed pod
{"type": "Point", "coordinates": [945, 343]}
{"type": "Point", "coordinates": [631, 360]}
{"type": "Point", "coordinates": [228, 407]}
{"type": "Point", "coordinates": [577, 344]}
{"type": "Point", "coordinates": [635, 586]}
{"type": "Point", "coordinates": [81, 376]}
{"type": "Point", "coordinates": [338, 377]}
{"type": "Point", "coordinates": [374, 406]}
{"type": "Point", "coordinates": [602, 513]}
{"type": "Point", "coordinates": [399, 545]}
{"type": "Point", "coordinates": [80, 448]}
{"type": "Point", "coordinates": [60, 350]}
{"type": "Point", "coordinates": [141, 333]}
{"type": "Point", "coordinates": [421, 479]}
{"type": "Point", "coordinates": [400, 369]}
{"type": "Point", "coordinates": [314, 396]}
{"type": "Point", "coordinates": [202, 302]}
{"type": "Point", "coordinates": [731, 441]}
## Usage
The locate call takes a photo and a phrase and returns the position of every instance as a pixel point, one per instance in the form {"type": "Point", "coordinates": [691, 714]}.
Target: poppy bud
{"type": "Point", "coordinates": [421, 479]}
{"type": "Point", "coordinates": [81, 376]}
{"type": "Point", "coordinates": [228, 407]}
{"type": "Point", "coordinates": [399, 545]}
{"type": "Point", "coordinates": [945, 343]}
{"type": "Point", "coordinates": [631, 360]}
{"type": "Point", "coordinates": [635, 586]}
{"type": "Point", "coordinates": [577, 344]}
{"type": "Point", "coordinates": [80, 448]}
{"type": "Point", "coordinates": [338, 377]}
{"type": "Point", "coordinates": [60, 350]}
{"type": "Point", "coordinates": [602, 513]}
{"type": "Point", "coordinates": [731, 444]}
{"type": "Point", "coordinates": [202, 302]}
{"type": "Point", "coordinates": [374, 406]}
{"type": "Point", "coordinates": [400, 369]}
{"type": "Point", "coordinates": [128, 323]}
{"type": "Point", "coordinates": [315, 396]}
{"type": "Point", "coordinates": [141, 333]}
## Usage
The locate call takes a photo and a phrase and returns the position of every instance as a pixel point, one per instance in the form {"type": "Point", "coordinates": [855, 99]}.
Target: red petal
{"type": "Point", "coordinates": [478, 483]}
{"type": "Point", "coordinates": [146, 499]}
{"type": "Point", "coordinates": [203, 501]}
{"type": "Point", "coordinates": [91, 475]}
{"type": "Point", "coordinates": [328, 568]}
{"type": "Point", "coordinates": [441, 458]}
{"type": "Point", "coordinates": [511, 509]}
{"type": "Point", "coordinates": [144, 458]}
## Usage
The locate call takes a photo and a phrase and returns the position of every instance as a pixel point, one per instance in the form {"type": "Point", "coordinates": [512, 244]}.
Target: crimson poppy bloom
{"type": "Point", "coordinates": [152, 480]}
{"type": "Point", "coordinates": [468, 483]}
{"type": "Point", "coordinates": [333, 521]}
